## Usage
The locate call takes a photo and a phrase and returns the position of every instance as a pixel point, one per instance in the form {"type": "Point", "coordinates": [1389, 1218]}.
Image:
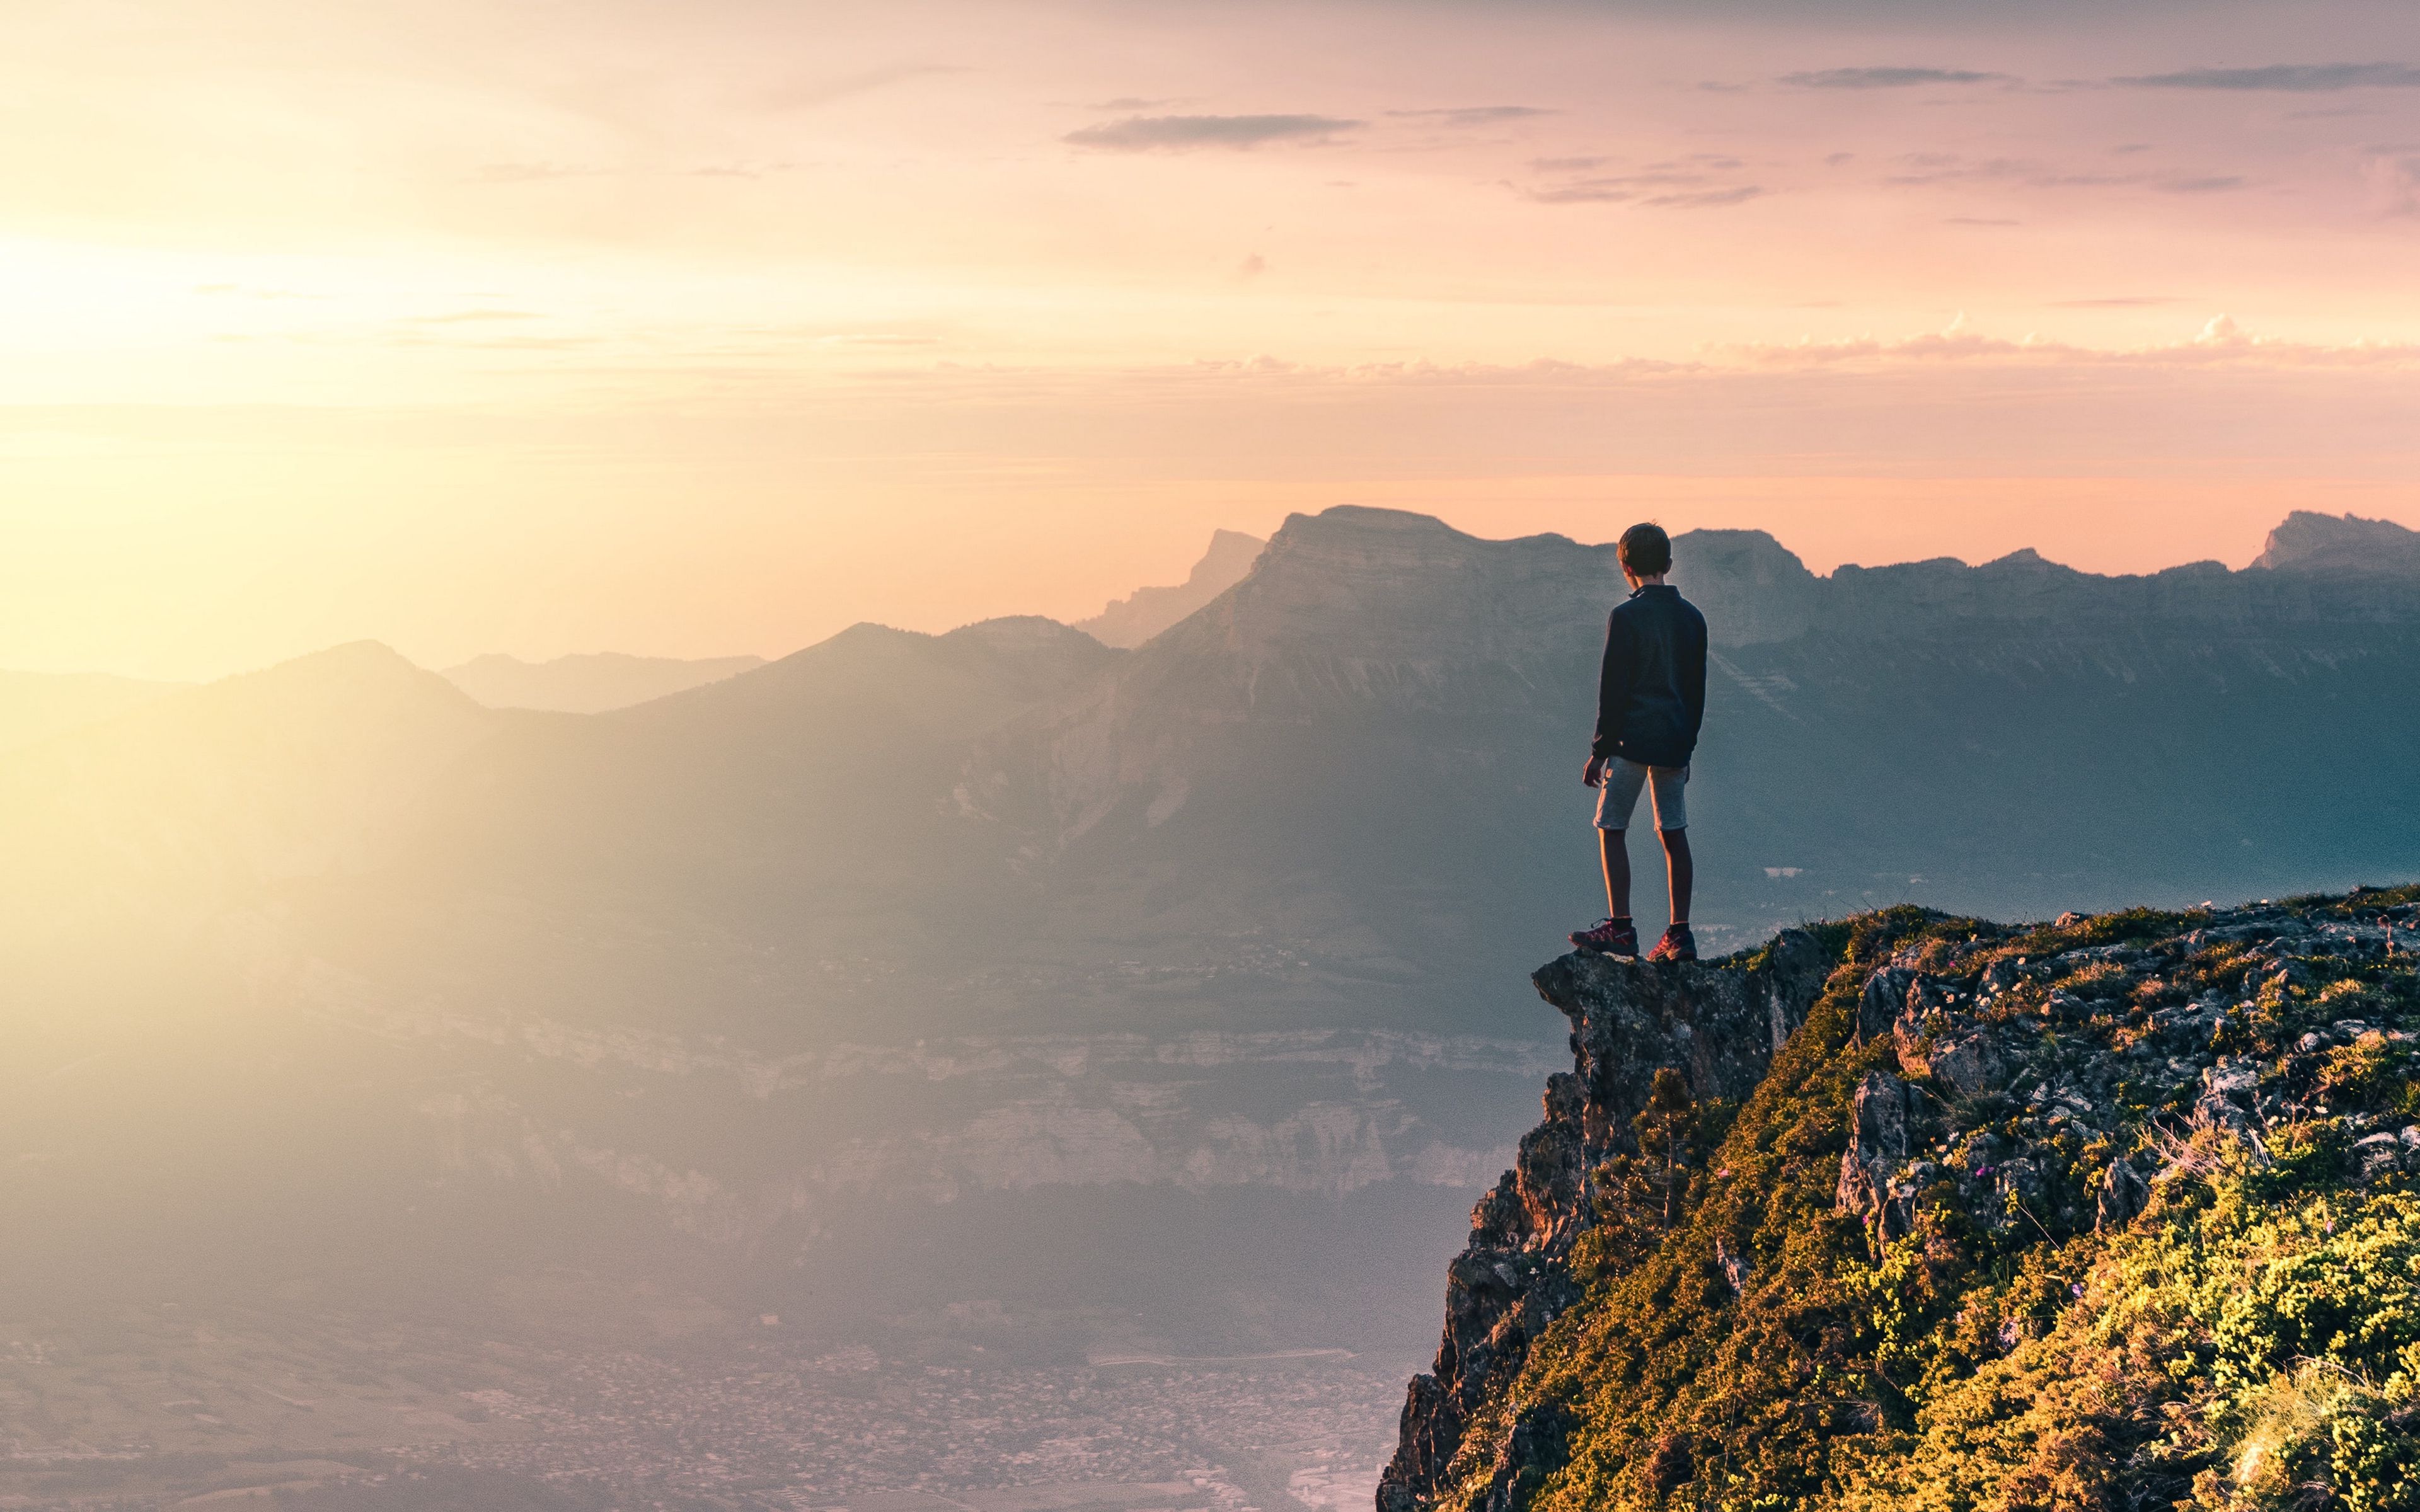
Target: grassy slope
{"type": "Point", "coordinates": [2253, 1340]}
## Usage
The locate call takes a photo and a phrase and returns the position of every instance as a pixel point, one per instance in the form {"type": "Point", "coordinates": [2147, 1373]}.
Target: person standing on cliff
{"type": "Point", "coordinates": [1651, 699]}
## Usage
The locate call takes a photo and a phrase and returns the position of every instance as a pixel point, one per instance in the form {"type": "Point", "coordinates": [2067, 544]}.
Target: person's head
{"type": "Point", "coordinates": [1646, 552]}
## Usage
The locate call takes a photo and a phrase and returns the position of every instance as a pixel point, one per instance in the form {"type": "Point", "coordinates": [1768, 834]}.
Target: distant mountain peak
{"type": "Point", "coordinates": [1022, 632]}
{"type": "Point", "coordinates": [355, 666]}
{"type": "Point", "coordinates": [1376, 517]}
{"type": "Point", "coordinates": [1147, 612]}
{"type": "Point", "coordinates": [2311, 542]}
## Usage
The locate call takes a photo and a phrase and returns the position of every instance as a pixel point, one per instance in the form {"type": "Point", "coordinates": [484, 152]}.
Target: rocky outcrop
{"type": "Point", "coordinates": [2308, 542]}
{"type": "Point", "coordinates": [1879, 1119]}
{"type": "Point", "coordinates": [1718, 1027]}
{"type": "Point", "coordinates": [2002, 1089]}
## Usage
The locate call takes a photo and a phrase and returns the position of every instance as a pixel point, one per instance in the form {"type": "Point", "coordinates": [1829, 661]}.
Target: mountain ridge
{"type": "Point", "coordinates": [1128, 622]}
{"type": "Point", "coordinates": [1176, 924]}
{"type": "Point", "coordinates": [586, 683]}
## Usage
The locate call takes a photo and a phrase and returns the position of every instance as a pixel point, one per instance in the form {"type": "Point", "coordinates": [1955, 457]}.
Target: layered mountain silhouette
{"type": "Point", "coordinates": [2307, 542]}
{"type": "Point", "coordinates": [1006, 962]}
{"type": "Point", "coordinates": [587, 684]}
{"type": "Point", "coordinates": [1147, 612]}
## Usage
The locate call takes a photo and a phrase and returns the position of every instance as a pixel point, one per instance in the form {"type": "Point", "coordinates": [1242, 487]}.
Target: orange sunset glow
{"type": "Point", "coordinates": [1209, 755]}
{"type": "Point", "coordinates": [696, 330]}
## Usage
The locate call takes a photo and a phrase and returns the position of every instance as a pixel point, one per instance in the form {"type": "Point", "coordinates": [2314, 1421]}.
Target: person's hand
{"type": "Point", "coordinates": [1593, 775]}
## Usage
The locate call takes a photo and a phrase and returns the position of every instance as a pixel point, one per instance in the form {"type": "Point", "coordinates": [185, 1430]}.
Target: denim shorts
{"type": "Point", "coordinates": [1619, 796]}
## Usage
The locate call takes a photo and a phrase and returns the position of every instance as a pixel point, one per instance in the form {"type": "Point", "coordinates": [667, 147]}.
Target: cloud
{"type": "Point", "coordinates": [1889, 78]}
{"type": "Point", "coordinates": [1473, 115]}
{"type": "Point", "coordinates": [2301, 78]}
{"type": "Point", "coordinates": [1661, 190]}
{"type": "Point", "coordinates": [1696, 181]}
{"type": "Point", "coordinates": [1919, 168]}
{"type": "Point", "coordinates": [2118, 302]}
{"type": "Point", "coordinates": [2220, 341]}
{"type": "Point", "coordinates": [456, 317]}
{"type": "Point", "coordinates": [1176, 134]}
{"type": "Point", "coordinates": [1705, 199]}
{"type": "Point", "coordinates": [1979, 220]}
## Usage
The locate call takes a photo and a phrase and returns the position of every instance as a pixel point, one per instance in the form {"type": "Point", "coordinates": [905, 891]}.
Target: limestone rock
{"type": "Point", "coordinates": [2123, 1193]}
{"type": "Point", "coordinates": [1719, 1026]}
{"type": "Point", "coordinates": [1879, 1119]}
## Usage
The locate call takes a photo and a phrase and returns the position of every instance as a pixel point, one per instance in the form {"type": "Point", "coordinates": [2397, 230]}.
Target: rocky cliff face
{"type": "Point", "coordinates": [2116, 1211]}
{"type": "Point", "coordinates": [2309, 542]}
{"type": "Point", "coordinates": [1718, 1028]}
{"type": "Point", "coordinates": [1131, 621]}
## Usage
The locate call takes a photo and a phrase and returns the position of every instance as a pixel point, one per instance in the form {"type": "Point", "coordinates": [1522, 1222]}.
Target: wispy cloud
{"type": "Point", "coordinates": [1644, 190]}
{"type": "Point", "coordinates": [2220, 341]}
{"type": "Point", "coordinates": [1698, 181]}
{"type": "Point", "coordinates": [1706, 199]}
{"type": "Point", "coordinates": [2116, 301]}
{"type": "Point", "coordinates": [1918, 168]}
{"type": "Point", "coordinates": [1473, 115]}
{"type": "Point", "coordinates": [1178, 134]}
{"type": "Point", "coordinates": [2303, 78]}
{"type": "Point", "coordinates": [1889, 78]}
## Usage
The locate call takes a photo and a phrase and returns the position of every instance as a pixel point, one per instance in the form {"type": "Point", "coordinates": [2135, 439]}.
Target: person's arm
{"type": "Point", "coordinates": [1693, 681]}
{"type": "Point", "coordinates": [1612, 688]}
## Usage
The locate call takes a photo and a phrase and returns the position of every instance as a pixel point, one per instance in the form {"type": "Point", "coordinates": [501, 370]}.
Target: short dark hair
{"type": "Point", "coordinates": [1646, 550]}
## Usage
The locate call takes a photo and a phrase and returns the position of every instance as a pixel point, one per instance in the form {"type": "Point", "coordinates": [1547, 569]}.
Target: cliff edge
{"type": "Point", "coordinates": [1924, 1212]}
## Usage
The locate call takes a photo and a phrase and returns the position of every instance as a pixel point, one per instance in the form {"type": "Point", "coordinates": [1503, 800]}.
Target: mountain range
{"type": "Point", "coordinates": [587, 684]}
{"type": "Point", "coordinates": [1132, 620]}
{"type": "Point", "coordinates": [1007, 965]}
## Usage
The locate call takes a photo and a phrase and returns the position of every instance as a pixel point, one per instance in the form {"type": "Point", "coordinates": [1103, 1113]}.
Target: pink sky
{"type": "Point", "coordinates": [716, 326]}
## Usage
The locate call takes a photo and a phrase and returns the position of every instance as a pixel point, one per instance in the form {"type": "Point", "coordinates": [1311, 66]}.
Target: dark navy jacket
{"type": "Point", "coordinates": [1652, 696]}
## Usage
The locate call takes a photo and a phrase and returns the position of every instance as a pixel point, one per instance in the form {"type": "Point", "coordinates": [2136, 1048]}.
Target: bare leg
{"type": "Point", "coordinates": [1617, 872]}
{"type": "Point", "coordinates": [1678, 862]}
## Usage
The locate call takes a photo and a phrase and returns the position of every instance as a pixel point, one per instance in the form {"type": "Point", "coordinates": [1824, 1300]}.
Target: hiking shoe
{"type": "Point", "coordinates": [1678, 944]}
{"type": "Point", "coordinates": [1612, 936]}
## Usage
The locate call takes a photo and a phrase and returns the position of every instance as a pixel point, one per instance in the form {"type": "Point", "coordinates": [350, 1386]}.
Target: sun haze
{"type": "Point", "coordinates": [712, 327]}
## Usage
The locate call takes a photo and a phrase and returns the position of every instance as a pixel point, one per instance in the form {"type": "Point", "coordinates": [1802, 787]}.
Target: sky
{"type": "Point", "coordinates": [715, 325]}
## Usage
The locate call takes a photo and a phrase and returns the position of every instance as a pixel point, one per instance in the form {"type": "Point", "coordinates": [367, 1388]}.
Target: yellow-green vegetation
{"type": "Point", "coordinates": [2250, 1340]}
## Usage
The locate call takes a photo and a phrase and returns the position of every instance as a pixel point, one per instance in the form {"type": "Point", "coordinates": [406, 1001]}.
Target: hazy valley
{"type": "Point", "coordinates": [1005, 1001]}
